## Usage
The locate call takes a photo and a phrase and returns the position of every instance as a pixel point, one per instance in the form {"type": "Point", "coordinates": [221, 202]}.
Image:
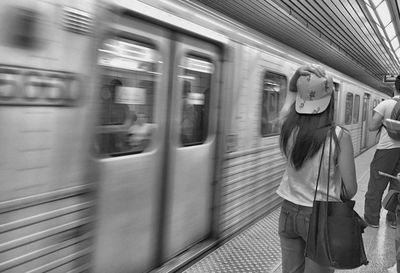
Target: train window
{"type": "Point", "coordinates": [349, 109]}
{"type": "Point", "coordinates": [365, 107]}
{"type": "Point", "coordinates": [127, 86]}
{"type": "Point", "coordinates": [374, 104]}
{"type": "Point", "coordinates": [356, 109]}
{"type": "Point", "coordinates": [196, 84]}
{"type": "Point", "coordinates": [273, 97]}
{"type": "Point", "coordinates": [335, 99]}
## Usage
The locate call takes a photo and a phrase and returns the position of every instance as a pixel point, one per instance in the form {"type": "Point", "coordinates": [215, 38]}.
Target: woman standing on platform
{"type": "Point", "coordinates": [305, 130]}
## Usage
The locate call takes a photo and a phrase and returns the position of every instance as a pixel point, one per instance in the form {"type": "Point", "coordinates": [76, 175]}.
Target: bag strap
{"type": "Point", "coordinates": [329, 165]}
{"type": "Point", "coordinates": [327, 190]}
{"type": "Point", "coordinates": [319, 170]}
{"type": "Point", "coordinates": [336, 139]}
{"type": "Point", "coordinates": [343, 191]}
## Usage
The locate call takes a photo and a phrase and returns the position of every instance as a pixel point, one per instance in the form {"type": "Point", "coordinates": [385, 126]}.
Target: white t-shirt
{"type": "Point", "coordinates": [298, 186]}
{"type": "Point", "coordinates": [385, 141]}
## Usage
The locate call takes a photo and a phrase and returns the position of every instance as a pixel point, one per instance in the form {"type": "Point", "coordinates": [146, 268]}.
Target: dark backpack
{"type": "Point", "coordinates": [395, 134]}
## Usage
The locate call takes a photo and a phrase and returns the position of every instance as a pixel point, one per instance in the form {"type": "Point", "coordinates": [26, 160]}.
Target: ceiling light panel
{"type": "Point", "coordinates": [390, 31]}
{"type": "Point", "coordinates": [384, 14]}
{"type": "Point", "coordinates": [395, 43]}
{"type": "Point", "coordinates": [376, 2]}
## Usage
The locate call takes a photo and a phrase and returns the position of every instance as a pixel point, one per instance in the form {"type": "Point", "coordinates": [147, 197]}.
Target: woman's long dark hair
{"type": "Point", "coordinates": [309, 132]}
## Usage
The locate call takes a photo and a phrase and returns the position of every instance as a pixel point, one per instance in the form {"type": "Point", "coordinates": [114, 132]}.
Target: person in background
{"type": "Point", "coordinates": [190, 122]}
{"type": "Point", "coordinates": [140, 131]}
{"type": "Point", "coordinates": [306, 129]}
{"type": "Point", "coordinates": [386, 159]}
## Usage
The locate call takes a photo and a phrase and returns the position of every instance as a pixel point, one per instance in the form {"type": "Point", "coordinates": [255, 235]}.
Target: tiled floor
{"type": "Point", "coordinates": [254, 250]}
{"type": "Point", "coordinates": [257, 249]}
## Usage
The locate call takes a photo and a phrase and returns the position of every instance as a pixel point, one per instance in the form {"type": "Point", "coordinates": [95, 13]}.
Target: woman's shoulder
{"type": "Point", "coordinates": [340, 131]}
{"type": "Point", "coordinates": [342, 134]}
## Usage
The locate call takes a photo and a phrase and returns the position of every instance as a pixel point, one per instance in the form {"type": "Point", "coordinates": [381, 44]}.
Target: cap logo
{"type": "Point", "coordinates": [312, 95]}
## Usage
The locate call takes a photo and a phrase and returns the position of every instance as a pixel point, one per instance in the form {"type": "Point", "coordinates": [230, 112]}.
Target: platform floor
{"type": "Point", "coordinates": [257, 249]}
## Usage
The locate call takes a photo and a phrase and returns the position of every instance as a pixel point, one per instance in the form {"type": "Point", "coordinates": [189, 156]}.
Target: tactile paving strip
{"type": "Point", "coordinates": [256, 249]}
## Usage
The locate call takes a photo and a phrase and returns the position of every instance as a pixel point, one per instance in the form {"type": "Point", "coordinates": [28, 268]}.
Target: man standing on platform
{"type": "Point", "coordinates": [386, 159]}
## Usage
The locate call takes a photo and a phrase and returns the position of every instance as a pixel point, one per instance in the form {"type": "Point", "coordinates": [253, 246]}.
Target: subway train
{"type": "Point", "coordinates": [136, 134]}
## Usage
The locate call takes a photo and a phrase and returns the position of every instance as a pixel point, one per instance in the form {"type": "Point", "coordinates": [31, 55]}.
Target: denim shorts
{"type": "Point", "coordinates": [294, 221]}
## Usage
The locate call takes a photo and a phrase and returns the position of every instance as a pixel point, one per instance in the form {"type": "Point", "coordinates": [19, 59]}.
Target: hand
{"type": "Point", "coordinates": [305, 70]}
{"type": "Point", "coordinates": [398, 177]}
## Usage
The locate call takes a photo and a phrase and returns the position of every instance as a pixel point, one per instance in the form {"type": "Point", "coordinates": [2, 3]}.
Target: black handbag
{"type": "Point", "coordinates": [335, 232]}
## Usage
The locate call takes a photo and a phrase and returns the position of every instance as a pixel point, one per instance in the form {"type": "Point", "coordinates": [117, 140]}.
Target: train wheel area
{"type": "Point", "coordinates": [257, 248]}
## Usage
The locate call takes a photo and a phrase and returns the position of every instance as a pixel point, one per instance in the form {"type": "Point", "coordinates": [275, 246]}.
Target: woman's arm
{"type": "Point", "coordinates": [293, 81]}
{"type": "Point", "coordinates": [346, 165]}
{"type": "Point", "coordinates": [290, 99]}
{"type": "Point", "coordinates": [303, 70]}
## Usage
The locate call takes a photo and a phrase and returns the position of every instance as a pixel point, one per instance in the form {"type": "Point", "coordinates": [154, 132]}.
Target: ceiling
{"type": "Point", "coordinates": [338, 33]}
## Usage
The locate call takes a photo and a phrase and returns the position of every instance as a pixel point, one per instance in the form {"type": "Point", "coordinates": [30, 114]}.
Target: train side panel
{"type": "Point", "coordinates": [350, 95]}
{"type": "Point", "coordinates": [253, 164]}
{"type": "Point", "coordinates": [46, 203]}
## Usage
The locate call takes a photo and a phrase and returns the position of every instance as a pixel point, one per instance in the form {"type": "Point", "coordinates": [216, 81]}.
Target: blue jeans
{"type": "Point", "coordinates": [293, 228]}
{"type": "Point", "coordinates": [387, 161]}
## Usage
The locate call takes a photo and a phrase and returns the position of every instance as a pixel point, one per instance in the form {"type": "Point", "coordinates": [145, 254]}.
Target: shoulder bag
{"type": "Point", "coordinates": [335, 231]}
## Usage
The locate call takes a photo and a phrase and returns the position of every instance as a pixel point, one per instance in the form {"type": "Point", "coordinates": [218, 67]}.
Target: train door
{"type": "Point", "coordinates": [364, 121]}
{"type": "Point", "coordinates": [133, 71]}
{"type": "Point", "coordinates": [191, 144]}
{"type": "Point", "coordinates": [156, 141]}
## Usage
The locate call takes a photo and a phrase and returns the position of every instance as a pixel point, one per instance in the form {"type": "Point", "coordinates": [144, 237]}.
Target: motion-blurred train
{"type": "Point", "coordinates": [140, 133]}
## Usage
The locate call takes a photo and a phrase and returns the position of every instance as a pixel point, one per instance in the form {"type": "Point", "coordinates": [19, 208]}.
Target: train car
{"type": "Point", "coordinates": [141, 133]}
{"type": "Point", "coordinates": [357, 104]}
